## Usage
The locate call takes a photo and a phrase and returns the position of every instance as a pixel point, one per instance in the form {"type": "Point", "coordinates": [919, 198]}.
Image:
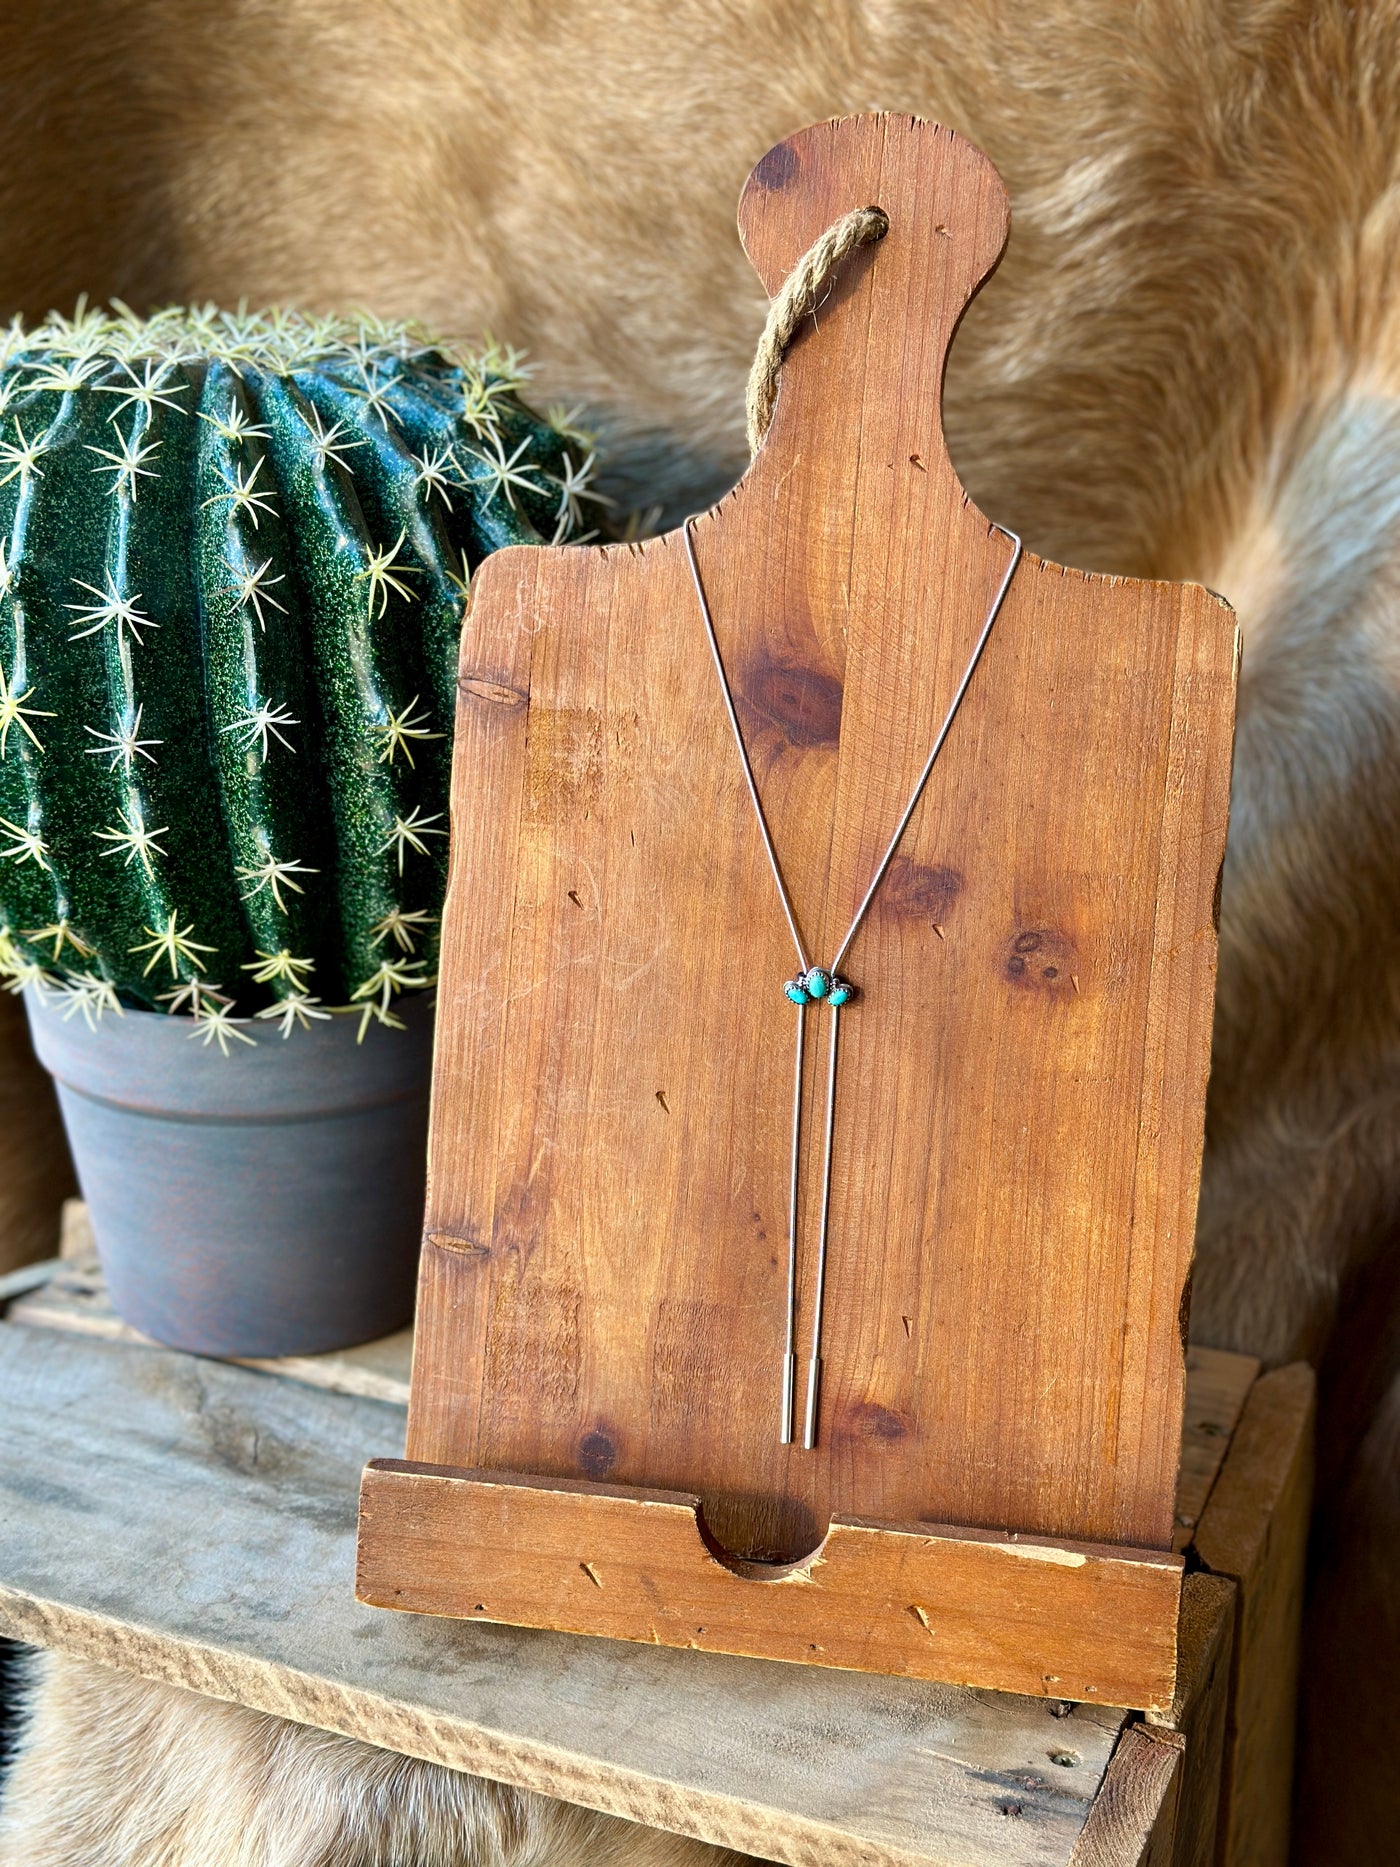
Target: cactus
{"type": "Point", "coordinates": [233, 557]}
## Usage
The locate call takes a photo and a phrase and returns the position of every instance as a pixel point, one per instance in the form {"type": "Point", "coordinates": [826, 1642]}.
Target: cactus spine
{"type": "Point", "coordinates": [233, 556]}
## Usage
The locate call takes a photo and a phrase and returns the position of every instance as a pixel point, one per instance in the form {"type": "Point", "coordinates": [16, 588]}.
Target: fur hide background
{"type": "Point", "coordinates": [168, 1779]}
{"type": "Point", "coordinates": [1188, 366]}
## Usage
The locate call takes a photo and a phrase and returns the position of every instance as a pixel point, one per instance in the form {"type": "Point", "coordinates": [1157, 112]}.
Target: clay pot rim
{"type": "Point", "coordinates": [153, 1064]}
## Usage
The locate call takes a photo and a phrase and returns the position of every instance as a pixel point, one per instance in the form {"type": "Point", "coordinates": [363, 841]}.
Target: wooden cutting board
{"type": "Point", "coordinates": [1022, 1075]}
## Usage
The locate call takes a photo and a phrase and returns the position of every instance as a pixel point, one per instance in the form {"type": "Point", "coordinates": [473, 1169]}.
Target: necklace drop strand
{"type": "Point", "coordinates": [818, 985]}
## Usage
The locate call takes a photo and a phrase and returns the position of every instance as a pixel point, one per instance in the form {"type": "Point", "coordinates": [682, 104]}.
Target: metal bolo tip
{"type": "Point", "coordinates": [814, 1381]}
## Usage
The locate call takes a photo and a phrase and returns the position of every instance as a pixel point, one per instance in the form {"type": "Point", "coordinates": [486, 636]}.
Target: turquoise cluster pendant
{"type": "Point", "coordinates": [818, 985]}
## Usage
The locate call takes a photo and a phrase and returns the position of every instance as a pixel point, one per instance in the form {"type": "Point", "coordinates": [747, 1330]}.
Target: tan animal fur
{"type": "Point", "coordinates": [1188, 365]}
{"type": "Point", "coordinates": [172, 1780]}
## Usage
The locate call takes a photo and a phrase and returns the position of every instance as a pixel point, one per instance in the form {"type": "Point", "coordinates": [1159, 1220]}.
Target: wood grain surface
{"type": "Point", "coordinates": [1022, 1077]}
{"type": "Point", "coordinates": [1133, 1820]}
{"type": "Point", "coordinates": [71, 1293]}
{"type": "Point", "coordinates": [1255, 1531]}
{"type": "Point", "coordinates": [1017, 1614]}
{"type": "Point", "coordinates": [1217, 1386]}
{"type": "Point", "coordinates": [1201, 1713]}
{"type": "Point", "coordinates": [195, 1522]}
{"type": "Point", "coordinates": [73, 1296]}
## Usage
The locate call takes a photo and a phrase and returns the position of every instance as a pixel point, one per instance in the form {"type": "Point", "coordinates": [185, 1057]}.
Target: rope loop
{"type": "Point", "coordinates": [797, 298]}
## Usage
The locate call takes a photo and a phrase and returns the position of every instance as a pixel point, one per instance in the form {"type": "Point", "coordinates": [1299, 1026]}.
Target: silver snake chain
{"type": "Point", "coordinates": [817, 983]}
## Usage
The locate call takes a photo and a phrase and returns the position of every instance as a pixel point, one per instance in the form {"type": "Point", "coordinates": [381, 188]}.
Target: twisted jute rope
{"type": "Point", "coordinates": [798, 297]}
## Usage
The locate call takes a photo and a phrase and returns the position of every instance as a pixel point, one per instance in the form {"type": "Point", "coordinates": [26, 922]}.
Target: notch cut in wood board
{"type": "Point", "coordinates": [1017, 1614]}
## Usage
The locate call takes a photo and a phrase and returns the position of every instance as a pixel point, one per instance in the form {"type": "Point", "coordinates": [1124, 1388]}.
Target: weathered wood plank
{"type": "Point", "coordinates": [29, 1277]}
{"type": "Point", "coordinates": [229, 1499]}
{"type": "Point", "coordinates": [1217, 1385]}
{"type": "Point", "coordinates": [1255, 1530]}
{"type": "Point", "coordinates": [1133, 1820]}
{"type": "Point", "coordinates": [70, 1293]}
{"type": "Point", "coordinates": [1201, 1713]}
{"type": "Point", "coordinates": [1014, 1613]}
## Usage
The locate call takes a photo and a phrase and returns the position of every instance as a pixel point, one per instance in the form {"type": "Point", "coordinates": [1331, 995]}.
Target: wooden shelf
{"type": "Point", "coordinates": [195, 1522]}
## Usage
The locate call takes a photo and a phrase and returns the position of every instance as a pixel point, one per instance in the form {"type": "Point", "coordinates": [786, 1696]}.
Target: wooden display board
{"type": "Point", "coordinates": [593, 1431]}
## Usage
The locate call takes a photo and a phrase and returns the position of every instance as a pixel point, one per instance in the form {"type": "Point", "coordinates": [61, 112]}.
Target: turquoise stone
{"type": "Point", "coordinates": [841, 993]}
{"type": "Point", "coordinates": [797, 992]}
{"type": "Point", "coordinates": [817, 982]}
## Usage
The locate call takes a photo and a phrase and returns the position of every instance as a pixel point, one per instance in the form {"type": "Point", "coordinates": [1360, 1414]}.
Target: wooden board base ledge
{"type": "Point", "coordinates": [1087, 1622]}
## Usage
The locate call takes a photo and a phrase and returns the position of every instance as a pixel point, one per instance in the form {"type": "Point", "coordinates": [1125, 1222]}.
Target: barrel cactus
{"type": "Point", "coordinates": [233, 557]}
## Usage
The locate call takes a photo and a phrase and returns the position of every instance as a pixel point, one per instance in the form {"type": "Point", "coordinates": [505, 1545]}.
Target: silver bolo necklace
{"type": "Point", "coordinates": [825, 985]}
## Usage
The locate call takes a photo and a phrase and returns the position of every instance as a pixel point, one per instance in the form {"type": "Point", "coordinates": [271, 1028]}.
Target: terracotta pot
{"type": "Point", "coordinates": [268, 1202]}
